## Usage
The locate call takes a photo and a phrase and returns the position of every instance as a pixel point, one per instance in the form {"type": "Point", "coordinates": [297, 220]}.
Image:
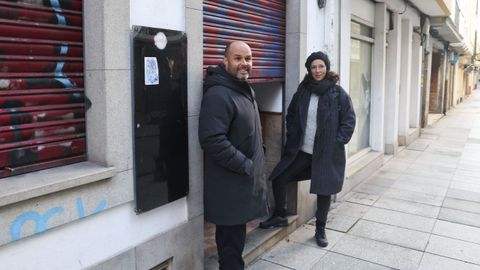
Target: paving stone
{"type": "Point", "coordinates": [450, 142]}
{"type": "Point", "coordinates": [438, 160]}
{"type": "Point", "coordinates": [342, 199]}
{"type": "Point", "coordinates": [334, 261]}
{"type": "Point", "coordinates": [387, 174]}
{"type": "Point", "coordinates": [380, 181]}
{"type": "Point", "coordinates": [458, 133]}
{"type": "Point", "coordinates": [465, 186]}
{"type": "Point", "coordinates": [420, 180]}
{"type": "Point", "coordinates": [351, 209]}
{"type": "Point", "coordinates": [305, 235]}
{"type": "Point", "coordinates": [456, 249]}
{"type": "Point", "coordinates": [465, 179]}
{"type": "Point", "coordinates": [363, 198]}
{"type": "Point", "coordinates": [471, 173]}
{"type": "Point", "coordinates": [475, 132]}
{"type": "Point", "coordinates": [413, 196]}
{"type": "Point", "coordinates": [428, 189]}
{"type": "Point", "coordinates": [391, 234]}
{"type": "Point", "coordinates": [432, 162]}
{"type": "Point", "coordinates": [414, 208]}
{"type": "Point", "coordinates": [370, 189]}
{"type": "Point", "coordinates": [431, 261]}
{"type": "Point", "coordinates": [463, 205]}
{"type": "Point", "coordinates": [399, 219]}
{"type": "Point", "coordinates": [471, 148]}
{"type": "Point", "coordinates": [440, 169]}
{"type": "Point", "coordinates": [429, 173]}
{"type": "Point", "coordinates": [459, 216]}
{"type": "Point", "coordinates": [340, 222]}
{"type": "Point", "coordinates": [454, 148]}
{"type": "Point", "coordinates": [469, 165]}
{"type": "Point", "coordinates": [265, 265]}
{"type": "Point", "coordinates": [407, 155]}
{"type": "Point", "coordinates": [378, 252]}
{"type": "Point", "coordinates": [457, 231]}
{"type": "Point", "coordinates": [463, 195]}
{"type": "Point", "coordinates": [395, 166]}
{"type": "Point", "coordinates": [419, 145]}
{"type": "Point", "coordinates": [470, 155]}
{"type": "Point", "coordinates": [429, 136]}
{"type": "Point", "coordinates": [294, 255]}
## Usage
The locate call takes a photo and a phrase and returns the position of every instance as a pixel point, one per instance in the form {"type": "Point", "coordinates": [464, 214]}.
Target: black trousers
{"type": "Point", "coordinates": [230, 243]}
{"type": "Point", "coordinates": [302, 162]}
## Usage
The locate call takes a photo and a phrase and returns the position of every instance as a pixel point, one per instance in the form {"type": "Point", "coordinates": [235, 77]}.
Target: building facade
{"type": "Point", "coordinates": [401, 62]}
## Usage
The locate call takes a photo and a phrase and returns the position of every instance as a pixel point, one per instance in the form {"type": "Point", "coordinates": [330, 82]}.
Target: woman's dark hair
{"type": "Point", "coordinates": [330, 75]}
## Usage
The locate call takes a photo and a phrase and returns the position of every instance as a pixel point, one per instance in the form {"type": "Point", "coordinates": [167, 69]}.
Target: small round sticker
{"type": "Point", "coordinates": [160, 40]}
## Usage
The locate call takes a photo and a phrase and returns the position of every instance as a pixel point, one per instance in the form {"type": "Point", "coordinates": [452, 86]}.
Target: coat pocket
{"type": "Point", "coordinates": [339, 153]}
{"type": "Point", "coordinates": [246, 146]}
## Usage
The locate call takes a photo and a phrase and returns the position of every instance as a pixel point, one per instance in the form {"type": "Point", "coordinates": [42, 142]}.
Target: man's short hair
{"type": "Point", "coordinates": [229, 44]}
{"type": "Point", "coordinates": [227, 48]}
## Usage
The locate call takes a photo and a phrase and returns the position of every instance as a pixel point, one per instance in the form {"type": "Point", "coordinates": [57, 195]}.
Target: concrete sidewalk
{"type": "Point", "coordinates": [421, 210]}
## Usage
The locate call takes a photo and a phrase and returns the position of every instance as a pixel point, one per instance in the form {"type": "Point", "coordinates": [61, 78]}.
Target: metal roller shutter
{"type": "Point", "coordinates": [42, 108]}
{"type": "Point", "coordinates": [260, 23]}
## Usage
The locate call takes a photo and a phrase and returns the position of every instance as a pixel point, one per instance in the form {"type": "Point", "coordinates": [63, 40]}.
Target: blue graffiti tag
{"type": "Point", "coordinates": [81, 211]}
{"type": "Point", "coordinates": [40, 221]}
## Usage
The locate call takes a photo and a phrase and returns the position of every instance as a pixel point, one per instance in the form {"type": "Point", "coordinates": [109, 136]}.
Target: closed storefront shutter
{"type": "Point", "coordinates": [42, 108]}
{"type": "Point", "coordinates": [260, 23]}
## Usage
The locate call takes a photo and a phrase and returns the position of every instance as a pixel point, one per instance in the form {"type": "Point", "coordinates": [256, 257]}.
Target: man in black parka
{"type": "Point", "coordinates": [230, 135]}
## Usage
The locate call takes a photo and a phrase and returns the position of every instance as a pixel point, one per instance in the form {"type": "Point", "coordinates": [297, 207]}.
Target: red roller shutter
{"type": "Point", "coordinates": [260, 23]}
{"type": "Point", "coordinates": [42, 111]}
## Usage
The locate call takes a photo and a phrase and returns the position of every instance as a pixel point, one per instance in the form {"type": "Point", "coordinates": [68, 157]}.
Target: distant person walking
{"type": "Point", "coordinates": [320, 121]}
{"type": "Point", "coordinates": [230, 135]}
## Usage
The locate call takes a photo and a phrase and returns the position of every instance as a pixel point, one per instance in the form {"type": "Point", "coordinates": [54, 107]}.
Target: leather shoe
{"type": "Point", "coordinates": [274, 221]}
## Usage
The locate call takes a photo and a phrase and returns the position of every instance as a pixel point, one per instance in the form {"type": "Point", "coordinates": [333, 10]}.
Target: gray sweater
{"type": "Point", "coordinates": [311, 128]}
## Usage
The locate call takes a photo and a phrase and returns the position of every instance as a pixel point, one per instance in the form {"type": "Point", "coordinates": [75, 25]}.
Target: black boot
{"type": "Point", "coordinates": [278, 219]}
{"type": "Point", "coordinates": [321, 237]}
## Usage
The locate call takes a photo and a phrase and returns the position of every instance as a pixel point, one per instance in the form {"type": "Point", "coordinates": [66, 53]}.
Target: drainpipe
{"type": "Point", "coordinates": [444, 79]}
{"type": "Point", "coordinates": [475, 44]}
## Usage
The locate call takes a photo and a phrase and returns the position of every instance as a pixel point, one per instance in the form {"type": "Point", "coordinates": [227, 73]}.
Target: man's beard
{"type": "Point", "coordinates": [243, 77]}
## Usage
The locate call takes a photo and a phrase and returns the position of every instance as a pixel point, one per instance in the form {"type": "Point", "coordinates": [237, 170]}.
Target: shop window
{"type": "Point", "coordinates": [361, 44]}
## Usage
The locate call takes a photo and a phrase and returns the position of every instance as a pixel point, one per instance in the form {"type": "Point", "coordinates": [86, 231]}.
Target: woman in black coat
{"type": "Point", "coordinates": [320, 121]}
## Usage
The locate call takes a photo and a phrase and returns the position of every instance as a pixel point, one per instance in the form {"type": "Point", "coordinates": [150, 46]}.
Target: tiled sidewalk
{"type": "Point", "coordinates": [420, 211]}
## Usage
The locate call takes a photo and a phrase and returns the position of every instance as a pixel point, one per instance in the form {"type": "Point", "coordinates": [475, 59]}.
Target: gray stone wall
{"type": "Point", "coordinates": [179, 246]}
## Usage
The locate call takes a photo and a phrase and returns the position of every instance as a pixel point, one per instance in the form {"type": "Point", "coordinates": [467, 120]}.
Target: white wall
{"type": "Point", "coordinates": [315, 27]}
{"type": "Point", "coordinates": [364, 9]}
{"type": "Point", "coordinates": [344, 43]}
{"type": "Point", "coordinates": [269, 97]}
{"type": "Point", "coordinates": [165, 14]}
{"type": "Point", "coordinates": [92, 239]}
{"type": "Point", "coordinates": [323, 31]}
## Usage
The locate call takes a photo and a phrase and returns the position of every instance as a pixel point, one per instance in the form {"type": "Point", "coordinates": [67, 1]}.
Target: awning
{"type": "Point", "coordinates": [461, 48]}
{"type": "Point", "coordinates": [444, 28]}
{"type": "Point", "coordinates": [433, 8]}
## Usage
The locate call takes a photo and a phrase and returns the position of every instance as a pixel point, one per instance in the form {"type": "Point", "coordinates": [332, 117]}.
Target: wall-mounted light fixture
{"type": "Point", "coordinates": [321, 3]}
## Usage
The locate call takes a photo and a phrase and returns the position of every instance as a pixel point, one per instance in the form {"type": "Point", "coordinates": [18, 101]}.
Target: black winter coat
{"type": "Point", "coordinates": [230, 135]}
{"type": "Point", "coordinates": [328, 164]}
